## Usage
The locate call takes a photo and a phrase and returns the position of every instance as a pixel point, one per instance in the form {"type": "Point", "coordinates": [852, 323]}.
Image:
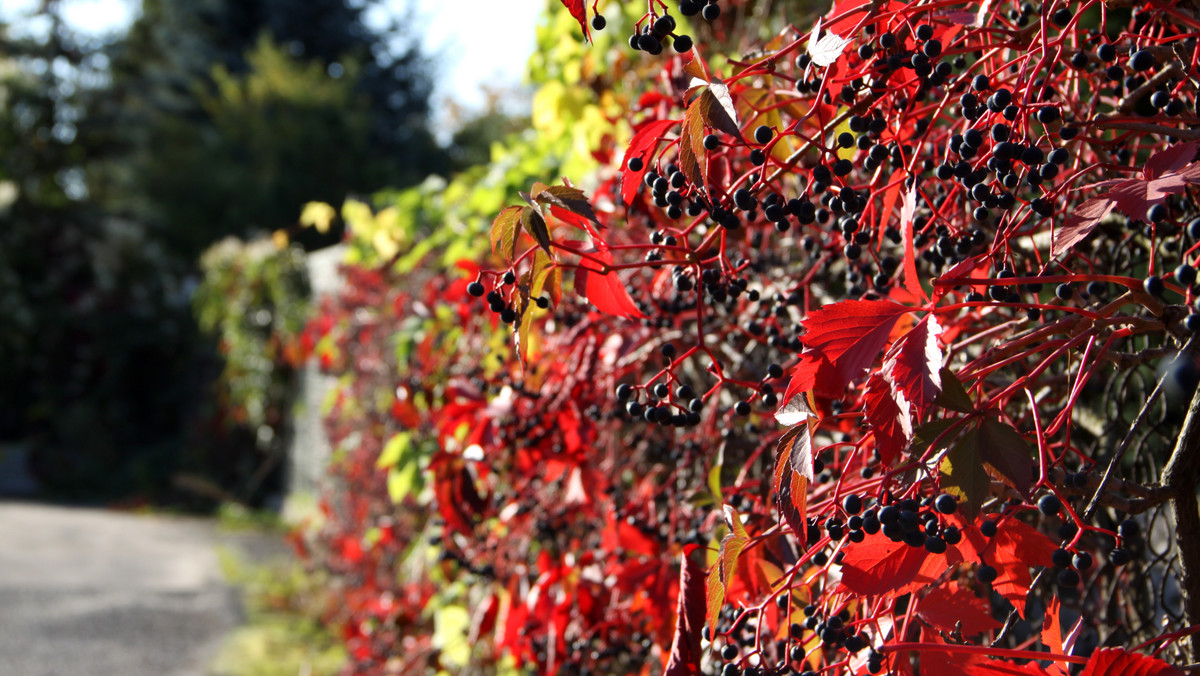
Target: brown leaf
{"type": "Point", "coordinates": [536, 225]}
{"type": "Point", "coordinates": [691, 145]}
{"type": "Point", "coordinates": [571, 199]}
{"type": "Point", "coordinates": [716, 107]}
{"type": "Point", "coordinates": [793, 472]}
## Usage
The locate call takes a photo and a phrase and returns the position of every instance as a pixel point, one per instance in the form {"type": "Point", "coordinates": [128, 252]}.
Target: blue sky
{"type": "Point", "coordinates": [463, 33]}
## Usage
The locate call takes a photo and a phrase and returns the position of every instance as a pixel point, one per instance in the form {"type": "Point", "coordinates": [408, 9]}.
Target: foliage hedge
{"type": "Point", "coordinates": [863, 345]}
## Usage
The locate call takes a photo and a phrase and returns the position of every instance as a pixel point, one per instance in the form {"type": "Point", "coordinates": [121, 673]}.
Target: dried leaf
{"type": "Point", "coordinates": [572, 199]}
{"type": "Point", "coordinates": [537, 279]}
{"type": "Point", "coordinates": [536, 225]}
{"type": "Point", "coordinates": [827, 50]}
{"type": "Point", "coordinates": [1005, 451]}
{"type": "Point", "coordinates": [795, 411]}
{"type": "Point", "coordinates": [716, 106]}
{"type": "Point", "coordinates": [793, 472]}
{"type": "Point", "coordinates": [721, 574]}
{"type": "Point", "coordinates": [691, 144]}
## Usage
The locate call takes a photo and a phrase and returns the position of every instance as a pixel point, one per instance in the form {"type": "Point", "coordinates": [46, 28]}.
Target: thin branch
{"type": "Point", "coordinates": [1180, 474]}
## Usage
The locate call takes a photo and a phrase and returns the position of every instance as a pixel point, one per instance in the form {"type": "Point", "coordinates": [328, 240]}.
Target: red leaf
{"type": "Point", "coordinates": [1002, 668]}
{"type": "Point", "coordinates": [1168, 172]}
{"type": "Point", "coordinates": [605, 291]}
{"type": "Point", "coordinates": [641, 146]}
{"type": "Point", "coordinates": [1081, 223]}
{"type": "Point", "coordinates": [840, 8]}
{"type": "Point", "coordinates": [577, 9]}
{"type": "Point", "coordinates": [689, 620]}
{"type": "Point", "coordinates": [880, 566]}
{"type": "Point", "coordinates": [885, 418]}
{"type": "Point", "coordinates": [1051, 629]}
{"type": "Point", "coordinates": [622, 536]}
{"type": "Point", "coordinates": [1170, 159]}
{"type": "Point", "coordinates": [914, 364]}
{"type": "Point", "coordinates": [889, 198]}
{"type": "Point", "coordinates": [1014, 548]}
{"type": "Point", "coordinates": [947, 605]}
{"type": "Point", "coordinates": [911, 281]}
{"type": "Point", "coordinates": [849, 335]}
{"type": "Point", "coordinates": [812, 373]}
{"type": "Point", "coordinates": [1118, 662]}
{"type": "Point", "coordinates": [947, 663]}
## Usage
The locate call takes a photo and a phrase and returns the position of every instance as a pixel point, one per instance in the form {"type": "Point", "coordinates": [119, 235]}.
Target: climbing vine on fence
{"type": "Point", "coordinates": [863, 348]}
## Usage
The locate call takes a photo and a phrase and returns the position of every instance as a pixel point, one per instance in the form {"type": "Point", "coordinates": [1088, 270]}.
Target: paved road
{"type": "Point", "coordinates": [93, 593]}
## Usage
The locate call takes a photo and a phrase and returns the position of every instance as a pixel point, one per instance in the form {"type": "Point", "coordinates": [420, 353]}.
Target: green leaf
{"type": "Point", "coordinates": [504, 232]}
{"type": "Point", "coordinates": [394, 450]}
{"type": "Point", "coordinates": [721, 574]}
{"type": "Point", "coordinates": [953, 395]}
{"type": "Point", "coordinates": [1006, 452]}
{"type": "Point", "coordinates": [714, 477]}
{"type": "Point", "coordinates": [451, 627]}
{"type": "Point", "coordinates": [934, 431]}
{"type": "Point", "coordinates": [964, 476]}
{"type": "Point", "coordinates": [402, 480]}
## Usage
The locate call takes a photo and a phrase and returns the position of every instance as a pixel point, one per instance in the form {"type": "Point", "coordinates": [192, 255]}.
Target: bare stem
{"type": "Point", "coordinates": [1180, 474]}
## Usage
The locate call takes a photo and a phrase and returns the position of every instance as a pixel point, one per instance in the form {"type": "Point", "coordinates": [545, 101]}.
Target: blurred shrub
{"type": "Point", "coordinates": [254, 301]}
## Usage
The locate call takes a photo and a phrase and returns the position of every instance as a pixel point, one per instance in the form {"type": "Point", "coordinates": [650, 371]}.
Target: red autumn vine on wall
{"type": "Point", "coordinates": [833, 368]}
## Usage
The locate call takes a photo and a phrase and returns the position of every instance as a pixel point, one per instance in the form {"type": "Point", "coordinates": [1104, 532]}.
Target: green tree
{"type": "Point", "coordinates": [276, 135]}
{"type": "Point", "coordinates": [340, 109]}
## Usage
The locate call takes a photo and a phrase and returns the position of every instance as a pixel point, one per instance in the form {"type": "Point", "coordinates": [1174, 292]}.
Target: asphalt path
{"type": "Point", "coordinates": [87, 592]}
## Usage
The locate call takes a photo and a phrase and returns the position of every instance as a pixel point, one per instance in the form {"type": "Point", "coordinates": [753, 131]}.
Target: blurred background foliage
{"type": "Point", "coordinates": [129, 359]}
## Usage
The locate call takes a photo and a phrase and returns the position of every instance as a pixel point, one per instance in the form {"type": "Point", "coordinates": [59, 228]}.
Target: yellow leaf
{"type": "Point", "coordinates": [358, 216]}
{"type": "Point", "coordinates": [317, 215]}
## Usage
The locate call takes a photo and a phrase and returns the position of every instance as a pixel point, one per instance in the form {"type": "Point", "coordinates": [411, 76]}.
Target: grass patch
{"type": "Point", "coordinates": [283, 635]}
